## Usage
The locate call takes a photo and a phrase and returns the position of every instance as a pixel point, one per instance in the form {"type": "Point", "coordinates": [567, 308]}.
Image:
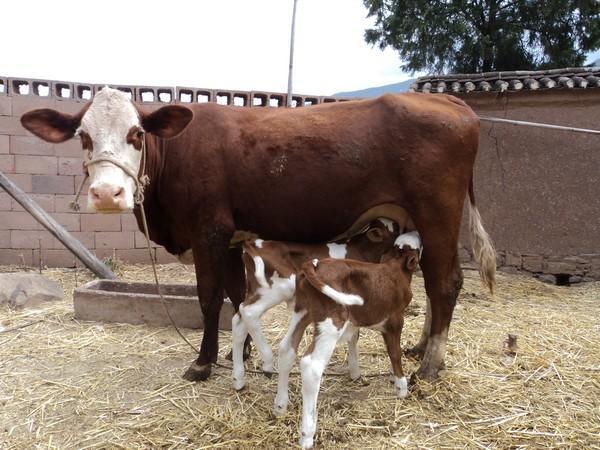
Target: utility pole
{"type": "Point", "coordinates": [289, 90]}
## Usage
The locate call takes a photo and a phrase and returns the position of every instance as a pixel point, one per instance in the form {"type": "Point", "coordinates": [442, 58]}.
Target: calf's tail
{"type": "Point", "coordinates": [481, 243]}
{"type": "Point", "coordinates": [337, 296]}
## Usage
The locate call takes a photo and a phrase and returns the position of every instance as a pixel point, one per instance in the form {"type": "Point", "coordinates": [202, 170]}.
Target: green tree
{"type": "Point", "coordinates": [486, 35]}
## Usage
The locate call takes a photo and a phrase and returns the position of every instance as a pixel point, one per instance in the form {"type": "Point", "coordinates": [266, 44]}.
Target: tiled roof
{"type": "Point", "coordinates": [569, 78]}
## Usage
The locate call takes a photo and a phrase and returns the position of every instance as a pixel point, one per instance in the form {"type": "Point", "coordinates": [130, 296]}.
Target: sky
{"type": "Point", "coordinates": [224, 44]}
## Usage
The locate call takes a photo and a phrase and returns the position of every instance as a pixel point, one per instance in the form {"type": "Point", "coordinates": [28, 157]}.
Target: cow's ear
{"type": "Point", "coordinates": [375, 234]}
{"type": "Point", "coordinates": [51, 125]}
{"type": "Point", "coordinates": [168, 121]}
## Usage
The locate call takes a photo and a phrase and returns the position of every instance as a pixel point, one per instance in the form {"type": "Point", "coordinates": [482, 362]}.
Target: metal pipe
{"type": "Point", "coordinates": [538, 125]}
{"type": "Point", "coordinates": [289, 89]}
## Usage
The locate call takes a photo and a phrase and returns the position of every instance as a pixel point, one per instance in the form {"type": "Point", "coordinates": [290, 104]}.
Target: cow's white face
{"type": "Point", "coordinates": [110, 127]}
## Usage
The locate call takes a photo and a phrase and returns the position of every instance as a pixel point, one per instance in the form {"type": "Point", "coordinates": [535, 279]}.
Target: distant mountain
{"type": "Point", "coordinates": [403, 86]}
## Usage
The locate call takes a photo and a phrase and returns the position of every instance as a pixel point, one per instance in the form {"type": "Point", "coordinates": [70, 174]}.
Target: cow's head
{"type": "Point", "coordinates": [110, 127]}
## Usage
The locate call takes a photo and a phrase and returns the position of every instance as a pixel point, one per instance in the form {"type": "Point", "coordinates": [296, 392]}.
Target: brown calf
{"type": "Point", "coordinates": [271, 269]}
{"type": "Point", "coordinates": [338, 297]}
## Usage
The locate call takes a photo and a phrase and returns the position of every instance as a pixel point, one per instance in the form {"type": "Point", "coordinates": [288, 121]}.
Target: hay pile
{"type": "Point", "coordinates": [66, 384]}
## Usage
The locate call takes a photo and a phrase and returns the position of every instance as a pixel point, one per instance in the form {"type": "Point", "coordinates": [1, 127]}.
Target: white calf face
{"type": "Point", "coordinates": [108, 127]}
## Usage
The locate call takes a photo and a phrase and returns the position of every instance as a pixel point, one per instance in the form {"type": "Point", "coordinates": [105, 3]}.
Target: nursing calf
{"type": "Point", "coordinates": [271, 269]}
{"type": "Point", "coordinates": [339, 297]}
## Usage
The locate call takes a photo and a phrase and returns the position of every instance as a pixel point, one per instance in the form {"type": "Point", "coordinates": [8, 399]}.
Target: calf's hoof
{"type": "Point", "coordinates": [279, 409]}
{"type": "Point", "coordinates": [239, 383]}
{"type": "Point", "coordinates": [197, 372]}
{"type": "Point", "coordinates": [268, 373]}
{"type": "Point", "coordinates": [306, 442]}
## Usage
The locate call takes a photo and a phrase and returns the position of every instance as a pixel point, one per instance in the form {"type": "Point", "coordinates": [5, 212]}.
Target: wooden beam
{"type": "Point", "coordinates": [76, 247]}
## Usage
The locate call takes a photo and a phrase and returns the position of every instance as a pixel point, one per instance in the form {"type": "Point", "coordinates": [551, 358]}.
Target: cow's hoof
{"type": "Point", "coordinates": [268, 374]}
{"type": "Point", "coordinates": [426, 374]}
{"type": "Point", "coordinates": [415, 352]}
{"type": "Point", "coordinates": [197, 372]}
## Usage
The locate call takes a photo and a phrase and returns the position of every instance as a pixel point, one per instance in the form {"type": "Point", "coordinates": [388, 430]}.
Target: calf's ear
{"type": "Point", "coordinates": [412, 261]}
{"type": "Point", "coordinates": [375, 235]}
{"type": "Point", "coordinates": [168, 121]}
{"type": "Point", "coordinates": [51, 125]}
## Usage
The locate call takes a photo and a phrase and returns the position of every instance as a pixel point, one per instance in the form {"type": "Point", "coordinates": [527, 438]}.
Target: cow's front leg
{"type": "Point", "coordinates": [210, 256]}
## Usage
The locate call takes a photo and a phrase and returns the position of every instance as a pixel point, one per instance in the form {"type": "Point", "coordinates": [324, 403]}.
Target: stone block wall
{"type": "Point", "coordinates": [50, 173]}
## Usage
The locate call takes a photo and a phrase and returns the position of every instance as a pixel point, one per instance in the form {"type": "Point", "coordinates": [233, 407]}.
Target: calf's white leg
{"type": "Point", "coordinates": [282, 289]}
{"type": "Point", "coordinates": [238, 333]}
{"type": "Point", "coordinates": [353, 367]}
{"type": "Point", "coordinates": [312, 366]}
{"type": "Point", "coordinates": [287, 357]}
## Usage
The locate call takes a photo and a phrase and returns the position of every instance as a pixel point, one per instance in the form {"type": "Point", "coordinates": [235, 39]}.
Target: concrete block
{"type": "Point", "coordinates": [532, 263]}
{"type": "Point", "coordinates": [22, 180]}
{"type": "Point", "coordinates": [140, 241]}
{"type": "Point", "coordinates": [164, 257]}
{"type": "Point", "coordinates": [70, 166]}
{"type": "Point", "coordinates": [12, 126]}
{"type": "Point", "coordinates": [17, 220]}
{"type": "Point", "coordinates": [7, 163]}
{"type": "Point", "coordinates": [36, 164]}
{"type": "Point", "coordinates": [53, 184]}
{"type": "Point", "coordinates": [137, 303]}
{"type": "Point", "coordinates": [16, 257]}
{"type": "Point", "coordinates": [30, 145]}
{"type": "Point", "coordinates": [512, 259]}
{"type": "Point", "coordinates": [87, 238]}
{"type": "Point", "coordinates": [135, 255]}
{"type": "Point", "coordinates": [4, 144]}
{"type": "Point", "coordinates": [5, 202]}
{"type": "Point", "coordinates": [100, 222]}
{"type": "Point", "coordinates": [55, 258]}
{"type": "Point", "coordinates": [562, 267]}
{"type": "Point", "coordinates": [62, 202]}
{"type": "Point", "coordinates": [24, 103]}
{"type": "Point", "coordinates": [5, 105]}
{"type": "Point", "coordinates": [46, 201]}
{"type": "Point", "coordinates": [70, 149]}
{"type": "Point", "coordinates": [129, 222]}
{"type": "Point", "coordinates": [4, 239]}
{"type": "Point", "coordinates": [115, 239]}
{"type": "Point", "coordinates": [71, 221]}
{"type": "Point", "coordinates": [31, 239]}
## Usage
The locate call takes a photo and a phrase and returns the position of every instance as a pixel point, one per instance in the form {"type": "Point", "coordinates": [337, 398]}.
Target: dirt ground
{"type": "Point", "coordinates": [76, 385]}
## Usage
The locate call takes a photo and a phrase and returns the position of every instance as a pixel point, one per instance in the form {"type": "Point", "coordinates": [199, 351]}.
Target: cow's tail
{"type": "Point", "coordinates": [481, 243]}
{"type": "Point", "coordinates": [318, 284]}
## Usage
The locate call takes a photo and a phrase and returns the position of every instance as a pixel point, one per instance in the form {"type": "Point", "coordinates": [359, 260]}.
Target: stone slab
{"type": "Point", "coordinates": [20, 290]}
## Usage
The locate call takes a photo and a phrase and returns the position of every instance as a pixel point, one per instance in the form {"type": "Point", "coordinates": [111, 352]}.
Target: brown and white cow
{"type": "Point", "coordinates": [338, 297]}
{"type": "Point", "coordinates": [271, 269]}
{"type": "Point", "coordinates": [303, 175]}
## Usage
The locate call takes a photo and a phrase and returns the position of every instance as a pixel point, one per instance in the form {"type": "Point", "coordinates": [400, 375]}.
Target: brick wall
{"type": "Point", "coordinates": [50, 173]}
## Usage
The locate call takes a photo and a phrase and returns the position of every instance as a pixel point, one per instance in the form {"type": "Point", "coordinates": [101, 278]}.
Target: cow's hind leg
{"type": "Point", "coordinates": [235, 287]}
{"type": "Point", "coordinates": [443, 281]}
{"type": "Point", "coordinates": [418, 350]}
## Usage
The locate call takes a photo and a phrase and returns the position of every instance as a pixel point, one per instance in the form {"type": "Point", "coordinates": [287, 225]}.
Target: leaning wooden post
{"type": "Point", "coordinates": [76, 247]}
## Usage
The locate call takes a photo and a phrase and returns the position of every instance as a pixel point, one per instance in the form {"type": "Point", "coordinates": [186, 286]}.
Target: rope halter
{"type": "Point", "coordinates": [140, 183]}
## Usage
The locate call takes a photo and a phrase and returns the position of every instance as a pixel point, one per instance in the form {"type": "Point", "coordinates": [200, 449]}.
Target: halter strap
{"type": "Point", "coordinates": [140, 183]}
